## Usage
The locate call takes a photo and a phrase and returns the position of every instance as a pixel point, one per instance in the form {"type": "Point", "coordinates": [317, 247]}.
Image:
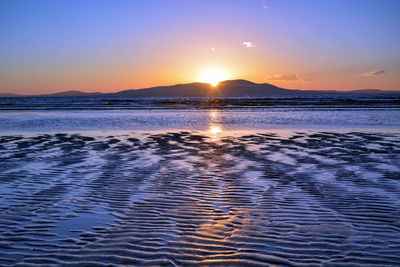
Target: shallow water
{"type": "Point", "coordinates": [282, 198]}
{"type": "Point", "coordinates": [239, 119]}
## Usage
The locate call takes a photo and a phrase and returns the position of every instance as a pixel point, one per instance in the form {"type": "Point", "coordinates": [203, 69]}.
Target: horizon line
{"type": "Point", "coordinates": [198, 82]}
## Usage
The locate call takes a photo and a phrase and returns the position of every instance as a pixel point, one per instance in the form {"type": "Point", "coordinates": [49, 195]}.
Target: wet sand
{"type": "Point", "coordinates": [198, 198]}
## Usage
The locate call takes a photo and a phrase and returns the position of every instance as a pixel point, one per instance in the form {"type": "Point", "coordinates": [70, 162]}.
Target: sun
{"type": "Point", "coordinates": [214, 76]}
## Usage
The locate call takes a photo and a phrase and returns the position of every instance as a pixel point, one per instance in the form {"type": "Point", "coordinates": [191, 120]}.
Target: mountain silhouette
{"type": "Point", "coordinates": [246, 88]}
{"type": "Point", "coordinates": [188, 89]}
{"type": "Point", "coordinates": [74, 93]}
{"type": "Point", "coordinates": [229, 88]}
{"type": "Point", "coordinates": [60, 94]}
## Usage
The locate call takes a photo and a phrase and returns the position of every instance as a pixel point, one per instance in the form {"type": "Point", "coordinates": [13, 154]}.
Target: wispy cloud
{"type": "Point", "coordinates": [323, 57]}
{"type": "Point", "coordinates": [264, 5]}
{"type": "Point", "coordinates": [284, 77]}
{"type": "Point", "coordinates": [289, 78]}
{"type": "Point", "coordinates": [375, 73]}
{"type": "Point", "coordinates": [249, 44]}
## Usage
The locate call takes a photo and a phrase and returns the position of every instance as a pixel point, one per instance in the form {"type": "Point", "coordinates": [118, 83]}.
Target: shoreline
{"type": "Point", "coordinates": [209, 132]}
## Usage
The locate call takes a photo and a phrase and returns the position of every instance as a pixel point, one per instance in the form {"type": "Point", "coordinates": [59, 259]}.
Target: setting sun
{"type": "Point", "coordinates": [214, 76]}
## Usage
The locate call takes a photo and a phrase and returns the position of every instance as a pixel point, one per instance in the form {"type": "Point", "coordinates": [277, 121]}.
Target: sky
{"type": "Point", "coordinates": [97, 45]}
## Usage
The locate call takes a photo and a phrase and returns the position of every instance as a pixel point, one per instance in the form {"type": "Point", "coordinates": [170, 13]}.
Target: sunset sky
{"type": "Point", "coordinates": [52, 46]}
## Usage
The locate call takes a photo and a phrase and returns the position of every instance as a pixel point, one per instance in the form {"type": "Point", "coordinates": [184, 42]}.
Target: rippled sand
{"type": "Point", "coordinates": [187, 198]}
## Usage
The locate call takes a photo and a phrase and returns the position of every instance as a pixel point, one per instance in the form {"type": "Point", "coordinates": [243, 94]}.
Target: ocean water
{"type": "Point", "coordinates": [340, 111]}
{"type": "Point", "coordinates": [118, 103]}
{"type": "Point", "coordinates": [86, 120]}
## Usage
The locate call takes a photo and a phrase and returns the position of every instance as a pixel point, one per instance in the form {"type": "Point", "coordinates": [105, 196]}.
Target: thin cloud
{"type": "Point", "coordinates": [249, 44]}
{"type": "Point", "coordinates": [289, 78]}
{"type": "Point", "coordinates": [264, 5]}
{"type": "Point", "coordinates": [284, 77]}
{"type": "Point", "coordinates": [375, 73]}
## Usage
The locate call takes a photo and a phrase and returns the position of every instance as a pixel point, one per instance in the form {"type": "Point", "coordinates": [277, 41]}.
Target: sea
{"type": "Point", "coordinates": [314, 111]}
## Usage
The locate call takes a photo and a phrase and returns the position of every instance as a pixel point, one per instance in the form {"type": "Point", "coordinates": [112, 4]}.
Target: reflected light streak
{"type": "Point", "coordinates": [215, 129]}
{"type": "Point", "coordinates": [215, 122]}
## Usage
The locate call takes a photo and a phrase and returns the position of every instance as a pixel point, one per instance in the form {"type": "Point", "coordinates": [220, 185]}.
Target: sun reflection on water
{"type": "Point", "coordinates": [214, 114]}
{"type": "Point", "coordinates": [215, 122]}
{"type": "Point", "coordinates": [215, 129]}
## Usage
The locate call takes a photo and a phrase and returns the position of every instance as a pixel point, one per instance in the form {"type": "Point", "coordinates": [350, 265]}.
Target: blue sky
{"type": "Point", "coordinates": [49, 46]}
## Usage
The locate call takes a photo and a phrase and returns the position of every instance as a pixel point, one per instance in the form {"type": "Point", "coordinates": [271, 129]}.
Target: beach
{"type": "Point", "coordinates": [212, 197]}
{"type": "Point", "coordinates": [199, 133]}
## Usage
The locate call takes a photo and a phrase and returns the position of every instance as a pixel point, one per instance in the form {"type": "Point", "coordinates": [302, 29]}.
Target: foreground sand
{"type": "Point", "coordinates": [186, 198]}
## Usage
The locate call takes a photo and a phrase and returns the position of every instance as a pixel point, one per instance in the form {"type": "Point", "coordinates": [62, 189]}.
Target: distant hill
{"type": "Point", "coordinates": [225, 88]}
{"type": "Point", "coordinates": [72, 93]}
{"type": "Point", "coordinates": [8, 95]}
{"type": "Point", "coordinates": [189, 89]}
{"type": "Point", "coordinates": [246, 88]}
{"type": "Point", "coordinates": [60, 94]}
{"type": "Point", "coordinates": [230, 88]}
{"type": "Point", "coordinates": [373, 91]}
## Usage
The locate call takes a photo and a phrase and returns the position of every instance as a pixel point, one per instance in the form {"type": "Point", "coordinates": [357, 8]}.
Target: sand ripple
{"type": "Point", "coordinates": [186, 198]}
